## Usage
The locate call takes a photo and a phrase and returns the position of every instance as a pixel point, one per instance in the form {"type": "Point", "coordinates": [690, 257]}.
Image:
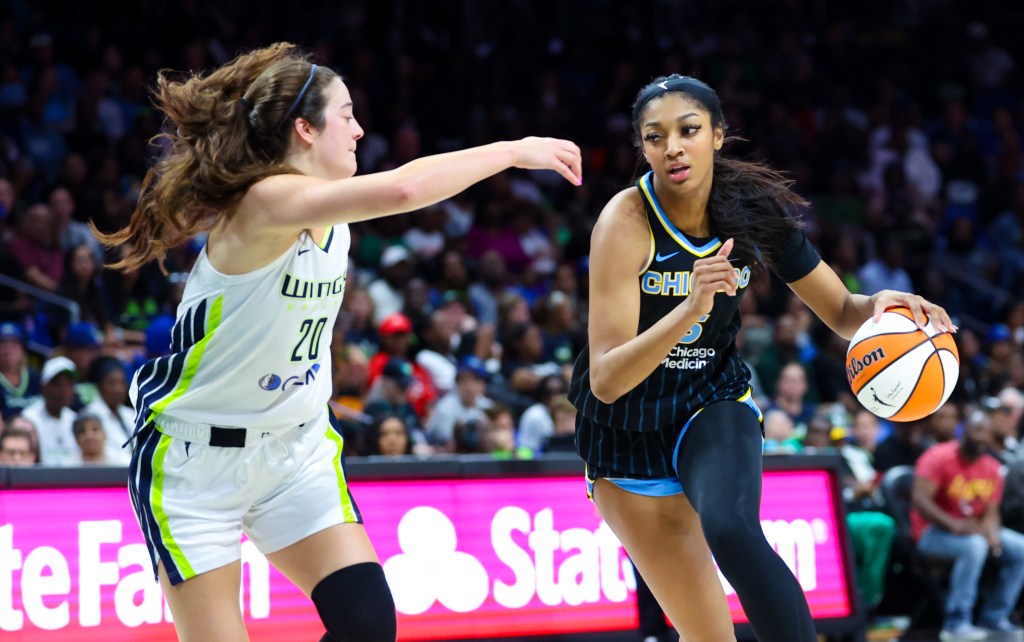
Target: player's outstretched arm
{"type": "Point", "coordinates": [291, 201]}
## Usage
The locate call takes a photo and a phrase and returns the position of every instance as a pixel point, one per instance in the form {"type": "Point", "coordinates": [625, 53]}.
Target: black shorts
{"type": "Point", "coordinates": [629, 454]}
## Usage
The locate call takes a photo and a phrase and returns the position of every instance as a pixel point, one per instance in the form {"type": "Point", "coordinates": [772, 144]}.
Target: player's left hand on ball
{"type": "Point", "coordinates": [922, 309]}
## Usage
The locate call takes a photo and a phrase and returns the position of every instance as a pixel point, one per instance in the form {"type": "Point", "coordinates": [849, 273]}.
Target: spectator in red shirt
{"type": "Point", "coordinates": [956, 497]}
{"type": "Point", "coordinates": [395, 333]}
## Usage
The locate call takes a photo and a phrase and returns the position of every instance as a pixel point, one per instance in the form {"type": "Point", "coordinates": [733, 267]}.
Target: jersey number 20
{"type": "Point", "coordinates": [311, 330]}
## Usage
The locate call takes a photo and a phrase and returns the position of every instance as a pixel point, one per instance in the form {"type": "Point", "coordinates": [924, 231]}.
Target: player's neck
{"type": "Point", "coordinates": [687, 211]}
{"type": "Point", "coordinates": [693, 221]}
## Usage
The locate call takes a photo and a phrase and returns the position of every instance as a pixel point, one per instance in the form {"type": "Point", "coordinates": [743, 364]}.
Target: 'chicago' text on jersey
{"type": "Point", "coordinates": [678, 283]}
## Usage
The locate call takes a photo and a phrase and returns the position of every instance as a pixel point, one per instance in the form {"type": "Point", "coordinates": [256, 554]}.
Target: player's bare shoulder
{"type": "Point", "coordinates": [626, 208]}
{"type": "Point", "coordinates": [267, 196]}
{"type": "Point", "coordinates": [622, 227]}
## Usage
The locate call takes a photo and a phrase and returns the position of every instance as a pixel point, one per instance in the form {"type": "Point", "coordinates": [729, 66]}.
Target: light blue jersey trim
{"type": "Point", "coordinates": [647, 186]}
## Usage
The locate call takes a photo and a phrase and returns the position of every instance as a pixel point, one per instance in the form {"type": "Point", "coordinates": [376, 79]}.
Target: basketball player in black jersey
{"type": "Point", "coordinates": [671, 437]}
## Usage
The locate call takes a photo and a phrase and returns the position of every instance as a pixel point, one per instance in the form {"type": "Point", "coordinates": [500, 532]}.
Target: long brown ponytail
{"type": "Point", "coordinates": [225, 131]}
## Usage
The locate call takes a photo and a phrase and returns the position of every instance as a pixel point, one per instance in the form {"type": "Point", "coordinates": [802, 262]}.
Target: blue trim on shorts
{"type": "Point", "coordinates": [748, 402]}
{"type": "Point", "coordinates": [679, 441]}
{"type": "Point", "coordinates": [663, 487]}
{"type": "Point", "coordinates": [666, 486]}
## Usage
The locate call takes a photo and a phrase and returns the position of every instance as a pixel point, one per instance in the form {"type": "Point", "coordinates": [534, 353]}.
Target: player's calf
{"type": "Point", "coordinates": [355, 605]}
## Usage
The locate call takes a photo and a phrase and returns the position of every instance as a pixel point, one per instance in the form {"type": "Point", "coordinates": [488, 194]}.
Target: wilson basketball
{"type": "Point", "coordinates": [899, 371]}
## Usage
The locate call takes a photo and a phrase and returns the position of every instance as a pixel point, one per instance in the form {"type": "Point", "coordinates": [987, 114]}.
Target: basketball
{"type": "Point", "coordinates": [899, 371]}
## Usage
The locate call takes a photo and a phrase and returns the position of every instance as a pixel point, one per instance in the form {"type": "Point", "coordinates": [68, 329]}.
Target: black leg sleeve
{"type": "Point", "coordinates": [720, 469]}
{"type": "Point", "coordinates": [355, 605]}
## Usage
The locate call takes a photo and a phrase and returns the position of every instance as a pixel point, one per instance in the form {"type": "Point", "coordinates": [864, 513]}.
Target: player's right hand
{"type": "Point", "coordinates": [562, 156]}
{"type": "Point", "coordinates": [710, 276]}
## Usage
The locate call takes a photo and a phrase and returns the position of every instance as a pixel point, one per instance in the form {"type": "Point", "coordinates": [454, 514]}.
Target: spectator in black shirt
{"type": "Point", "coordinates": [902, 447]}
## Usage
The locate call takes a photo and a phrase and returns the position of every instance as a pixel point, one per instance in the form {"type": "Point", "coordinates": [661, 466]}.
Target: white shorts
{"type": "Point", "coordinates": [194, 501]}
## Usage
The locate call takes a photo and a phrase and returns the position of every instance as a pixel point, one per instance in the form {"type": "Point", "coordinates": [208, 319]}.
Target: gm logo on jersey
{"type": "Point", "coordinates": [271, 382]}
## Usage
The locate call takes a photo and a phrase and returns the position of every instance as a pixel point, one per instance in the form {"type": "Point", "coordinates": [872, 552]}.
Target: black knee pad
{"type": "Point", "coordinates": [355, 604]}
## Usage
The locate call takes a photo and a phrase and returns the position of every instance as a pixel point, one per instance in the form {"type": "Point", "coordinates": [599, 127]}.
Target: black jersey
{"type": "Point", "coordinates": [704, 366]}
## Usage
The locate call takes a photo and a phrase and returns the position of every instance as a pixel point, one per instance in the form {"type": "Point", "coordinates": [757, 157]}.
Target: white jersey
{"type": "Point", "coordinates": [251, 350]}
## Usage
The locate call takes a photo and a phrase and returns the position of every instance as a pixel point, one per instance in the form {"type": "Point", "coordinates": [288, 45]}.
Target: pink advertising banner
{"type": "Point", "coordinates": [466, 559]}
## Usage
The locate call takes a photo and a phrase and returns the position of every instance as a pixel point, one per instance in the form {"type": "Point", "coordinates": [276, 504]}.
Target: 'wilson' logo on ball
{"type": "Point", "coordinates": [855, 365]}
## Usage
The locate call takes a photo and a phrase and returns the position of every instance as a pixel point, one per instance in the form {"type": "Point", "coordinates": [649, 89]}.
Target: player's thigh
{"type": "Point", "coordinates": [310, 525]}
{"type": "Point", "coordinates": [664, 539]}
{"type": "Point", "coordinates": [205, 607]}
{"type": "Point", "coordinates": [313, 558]}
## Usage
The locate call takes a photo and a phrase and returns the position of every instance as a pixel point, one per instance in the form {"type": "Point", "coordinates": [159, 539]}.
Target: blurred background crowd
{"type": "Point", "coordinates": [902, 123]}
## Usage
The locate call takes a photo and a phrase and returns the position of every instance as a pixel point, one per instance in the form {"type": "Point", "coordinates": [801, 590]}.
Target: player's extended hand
{"type": "Point", "coordinates": [919, 306]}
{"type": "Point", "coordinates": [563, 156]}
{"type": "Point", "coordinates": [710, 276]}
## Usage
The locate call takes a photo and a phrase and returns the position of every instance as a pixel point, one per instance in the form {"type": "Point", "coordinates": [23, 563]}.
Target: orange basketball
{"type": "Point", "coordinates": [899, 371]}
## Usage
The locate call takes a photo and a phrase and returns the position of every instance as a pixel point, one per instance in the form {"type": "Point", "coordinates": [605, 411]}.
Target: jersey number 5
{"type": "Point", "coordinates": [311, 330]}
{"type": "Point", "coordinates": [694, 332]}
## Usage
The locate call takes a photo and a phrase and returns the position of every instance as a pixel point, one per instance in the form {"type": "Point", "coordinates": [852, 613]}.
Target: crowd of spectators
{"type": "Point", "coordinates": [903, 125]}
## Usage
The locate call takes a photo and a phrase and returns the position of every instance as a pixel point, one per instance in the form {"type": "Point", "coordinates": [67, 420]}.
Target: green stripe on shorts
{"type": "Point", "coordinates": [184, 568]}
{"type": "Point", "coordinates": [346, 500]}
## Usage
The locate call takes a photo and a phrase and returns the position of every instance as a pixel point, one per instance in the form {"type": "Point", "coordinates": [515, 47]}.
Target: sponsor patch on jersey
{"type": "Point", "coordinates": [304, 379]}
{"type": "Point", "coordinates": [686, 358]}
{"type": "Point", "coordinates": [270, 382]}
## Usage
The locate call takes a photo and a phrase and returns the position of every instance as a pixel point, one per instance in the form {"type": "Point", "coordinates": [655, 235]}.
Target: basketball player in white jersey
{"type": "Point", "coordinates": [233, 431]}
